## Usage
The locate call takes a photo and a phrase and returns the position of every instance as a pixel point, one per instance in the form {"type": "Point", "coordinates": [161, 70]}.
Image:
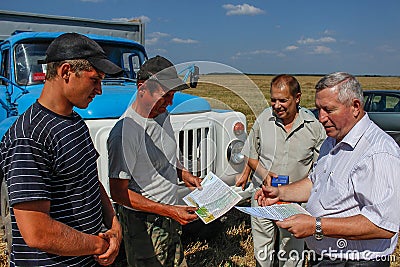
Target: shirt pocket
{"type": "Point", "coordinates": [335, 195]}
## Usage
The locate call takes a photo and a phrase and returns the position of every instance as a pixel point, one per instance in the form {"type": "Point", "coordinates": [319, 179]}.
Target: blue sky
{"type": "Point", "coordinates": [261, 36]}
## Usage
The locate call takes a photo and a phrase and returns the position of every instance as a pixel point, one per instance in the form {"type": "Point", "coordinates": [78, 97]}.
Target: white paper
{"type": "Point", "coordinates": [214, 200]}
{"type": "Point", "coordinates": [277, 212]}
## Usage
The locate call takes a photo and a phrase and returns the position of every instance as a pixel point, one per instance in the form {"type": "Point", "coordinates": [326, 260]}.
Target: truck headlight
{"type": "Point", "coordinates": [234, 152]}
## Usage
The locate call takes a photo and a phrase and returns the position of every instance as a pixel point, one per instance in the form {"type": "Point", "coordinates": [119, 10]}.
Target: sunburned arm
{"type": "Point", "coordinates": [242, 178]}
{"type": "Point", "coordinates": [261, 171]}
{"type": "Point", "coordinates": [188, 178]}
{"type": "Point", "coordinates": [298, 191]}
{"type": "Point", "coordinates": [40, 231]}
{"type": "Point", "coordinates": [124, 196]}
{"type": "Point", "coordinates": [349, 228]}
{"type": "Point", "coordinates": [302, 225]}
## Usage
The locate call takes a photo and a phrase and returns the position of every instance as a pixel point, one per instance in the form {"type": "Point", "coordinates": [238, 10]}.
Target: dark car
{"type": "Point", "coordinates": [383, 107]}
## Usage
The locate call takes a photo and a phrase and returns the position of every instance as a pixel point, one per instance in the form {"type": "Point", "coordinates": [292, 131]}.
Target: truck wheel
{"type": "Point", "coordinates": [6, 218]}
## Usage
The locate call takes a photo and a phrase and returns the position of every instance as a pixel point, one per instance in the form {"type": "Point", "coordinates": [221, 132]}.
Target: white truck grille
{"type": "Point", "coordinates": [196, 148]}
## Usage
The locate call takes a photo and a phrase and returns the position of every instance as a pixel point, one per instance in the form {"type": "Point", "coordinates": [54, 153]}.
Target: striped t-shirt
{"type": "Point", "coordinates": [45, 156]}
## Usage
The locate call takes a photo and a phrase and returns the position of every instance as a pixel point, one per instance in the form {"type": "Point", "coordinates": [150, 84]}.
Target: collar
{"type": "Point", "coordinates": [358, 130]}
{"type": "Point", "coordinates": [304, 116]}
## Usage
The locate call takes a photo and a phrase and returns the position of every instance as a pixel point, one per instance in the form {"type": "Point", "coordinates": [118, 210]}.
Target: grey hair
{"type": "Point", "coordinates": [346, 84]}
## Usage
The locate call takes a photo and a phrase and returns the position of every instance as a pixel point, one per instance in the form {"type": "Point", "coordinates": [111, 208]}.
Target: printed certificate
{"type": "Point", "coordinates": [277, 212]}
{"type": "Point", "coordinates": [214, 200]}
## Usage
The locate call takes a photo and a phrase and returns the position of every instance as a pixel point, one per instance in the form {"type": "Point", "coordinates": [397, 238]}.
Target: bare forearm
{"type": "Point", "coordinates": [349, 228]}
{"type": "Point", "coordinates": [298, 191]}
{"type": "Point", "coordinates": [123, 196]}
{"type": "Point", "coordinates": [42, 232]}
{"type": "Point", "coordinates": [257, 167]}
{"type": "Point", "coordinates": [142, 203]}
{"type": "Point", "coordinates": [70, 242]}
{"type": "Point", "coordinates": [108, 211]}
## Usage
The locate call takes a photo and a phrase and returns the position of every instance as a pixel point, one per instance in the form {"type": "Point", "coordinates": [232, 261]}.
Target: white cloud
{"type": "Point", "coordinates": [291, 48]}
{"type": "Point", "coordinates": [157, 51]}
{"type": "Point", "coordinates": [152, 41]}
{"type": "Point", "coordinates": [158, 34]}
{"type": "Point", "coordinates": [316, 41]}
{"type": "Point", "coordinates": [256, 52]}
{"type": "Point", "coordinates": [329, 32]}
{"type": "Point", "coordinates": [154, 37]}
{"type": "Point", "coordinates": [321, 50]}
{"type": "Point", "coordinates": [244, 9]}
{"type": "Point", "coordinates": [184, 41]}
{"type": "Point", "coordinates": [262, 52]}
{"type": "Point", "coordinates": [143, 19]}
{"type": "Point", "coordinates": [387, 49]}
{"type": "Point", "coordinates": [249, 54]}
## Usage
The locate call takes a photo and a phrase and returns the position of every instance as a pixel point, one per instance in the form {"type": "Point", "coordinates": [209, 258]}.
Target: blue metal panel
{"type": "Point", "coordinates": [5, 124]}
{"type": "Point", "coordinates": [184, 103]}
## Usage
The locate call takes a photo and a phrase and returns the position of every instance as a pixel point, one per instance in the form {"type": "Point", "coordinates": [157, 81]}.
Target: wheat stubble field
{"type": "Point", "coordinates": [229, 243]}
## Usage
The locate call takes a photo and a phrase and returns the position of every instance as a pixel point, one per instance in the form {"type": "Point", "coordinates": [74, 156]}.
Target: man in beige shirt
{"type": "Point", "coordinates": [284, 140]}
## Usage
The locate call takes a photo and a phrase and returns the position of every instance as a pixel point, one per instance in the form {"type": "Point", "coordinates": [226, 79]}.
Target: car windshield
{"type": "Point", "coordinates": [28, 71]}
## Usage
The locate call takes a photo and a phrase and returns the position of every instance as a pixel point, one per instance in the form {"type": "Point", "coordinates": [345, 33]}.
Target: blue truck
{"type": "Point", "coordinates": [207, 139]}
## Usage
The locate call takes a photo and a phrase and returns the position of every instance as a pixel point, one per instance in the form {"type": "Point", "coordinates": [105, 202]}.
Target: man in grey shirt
{"type": "Point", "coordinates": [284, 140]}
{"type": "Point", "coordinates": [144, 171]}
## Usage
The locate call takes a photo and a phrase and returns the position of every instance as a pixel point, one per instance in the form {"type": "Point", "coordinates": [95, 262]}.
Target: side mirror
{"type": "Point", "coordinates": [194, 77]}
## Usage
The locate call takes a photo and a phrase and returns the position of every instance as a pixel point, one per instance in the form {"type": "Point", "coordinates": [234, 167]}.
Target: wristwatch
{"type": "Point", "coordinates": [318, 229]}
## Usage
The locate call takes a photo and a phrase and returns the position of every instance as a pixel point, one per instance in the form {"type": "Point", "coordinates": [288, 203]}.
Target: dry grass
{"type": "Point", "coordinates": [229, 243]}
{"type": "Point", "coordinates": [222, 243]}
{"type": "Point", "coordinates": [3, 258]}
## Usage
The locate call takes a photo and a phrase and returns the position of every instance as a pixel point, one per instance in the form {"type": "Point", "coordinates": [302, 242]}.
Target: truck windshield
{"type": "Point", "coordinates": [28, 71]}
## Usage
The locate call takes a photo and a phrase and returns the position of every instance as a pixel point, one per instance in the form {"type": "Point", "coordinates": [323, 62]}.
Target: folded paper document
{"type": "Point", "coordinates": [214, 199]}
{"type": "Point", "coordinates": [277, 212]}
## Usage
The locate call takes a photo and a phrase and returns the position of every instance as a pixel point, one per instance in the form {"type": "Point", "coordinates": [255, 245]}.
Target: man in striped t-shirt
{"type": "Point", "coordinates": [353, 190]}
{"type": "Point", "coordinates": [58, 205]}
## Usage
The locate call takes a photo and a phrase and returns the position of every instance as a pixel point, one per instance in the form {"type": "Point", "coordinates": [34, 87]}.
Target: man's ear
{"type": "Point", "coordinates": [356, 107]}
{"type": "Point", "coordinates": [141, 88]}
{"type": "Point", "coordinates": [64, 71]}
{"type": "Point", "coordinates": [298, 97]}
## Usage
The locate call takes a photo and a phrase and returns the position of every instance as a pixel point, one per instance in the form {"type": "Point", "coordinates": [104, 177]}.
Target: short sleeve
{"type": "Point", "coordinates": [251, 147]}
{"type": "Point", "coordinates": [377, 189]}
{"type": "Point", "coordinates": [117, 167]}
{"type": "Point", "coordinates": [28, 170]}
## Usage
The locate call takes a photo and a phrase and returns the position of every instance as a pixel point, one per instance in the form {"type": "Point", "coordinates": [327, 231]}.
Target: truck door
{"type": "Point", "coordinates": [4, 77]}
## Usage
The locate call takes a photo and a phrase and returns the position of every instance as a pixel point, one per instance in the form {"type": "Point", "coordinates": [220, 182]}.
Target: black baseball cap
{"type": "Point", "coordinates": [163, 71]}
{"type": "Point", "coordinates": [78, 46]}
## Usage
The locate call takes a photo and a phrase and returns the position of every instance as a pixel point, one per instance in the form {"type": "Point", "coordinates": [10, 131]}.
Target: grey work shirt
{"type": "Point", "coordinates": [143, 150]}
{"type": "Point", "coordinates": [285, 153]}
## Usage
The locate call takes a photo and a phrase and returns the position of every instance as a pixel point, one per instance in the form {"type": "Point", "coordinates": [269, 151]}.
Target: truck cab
{"type": "Point", "coordinates": [207, 139]}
